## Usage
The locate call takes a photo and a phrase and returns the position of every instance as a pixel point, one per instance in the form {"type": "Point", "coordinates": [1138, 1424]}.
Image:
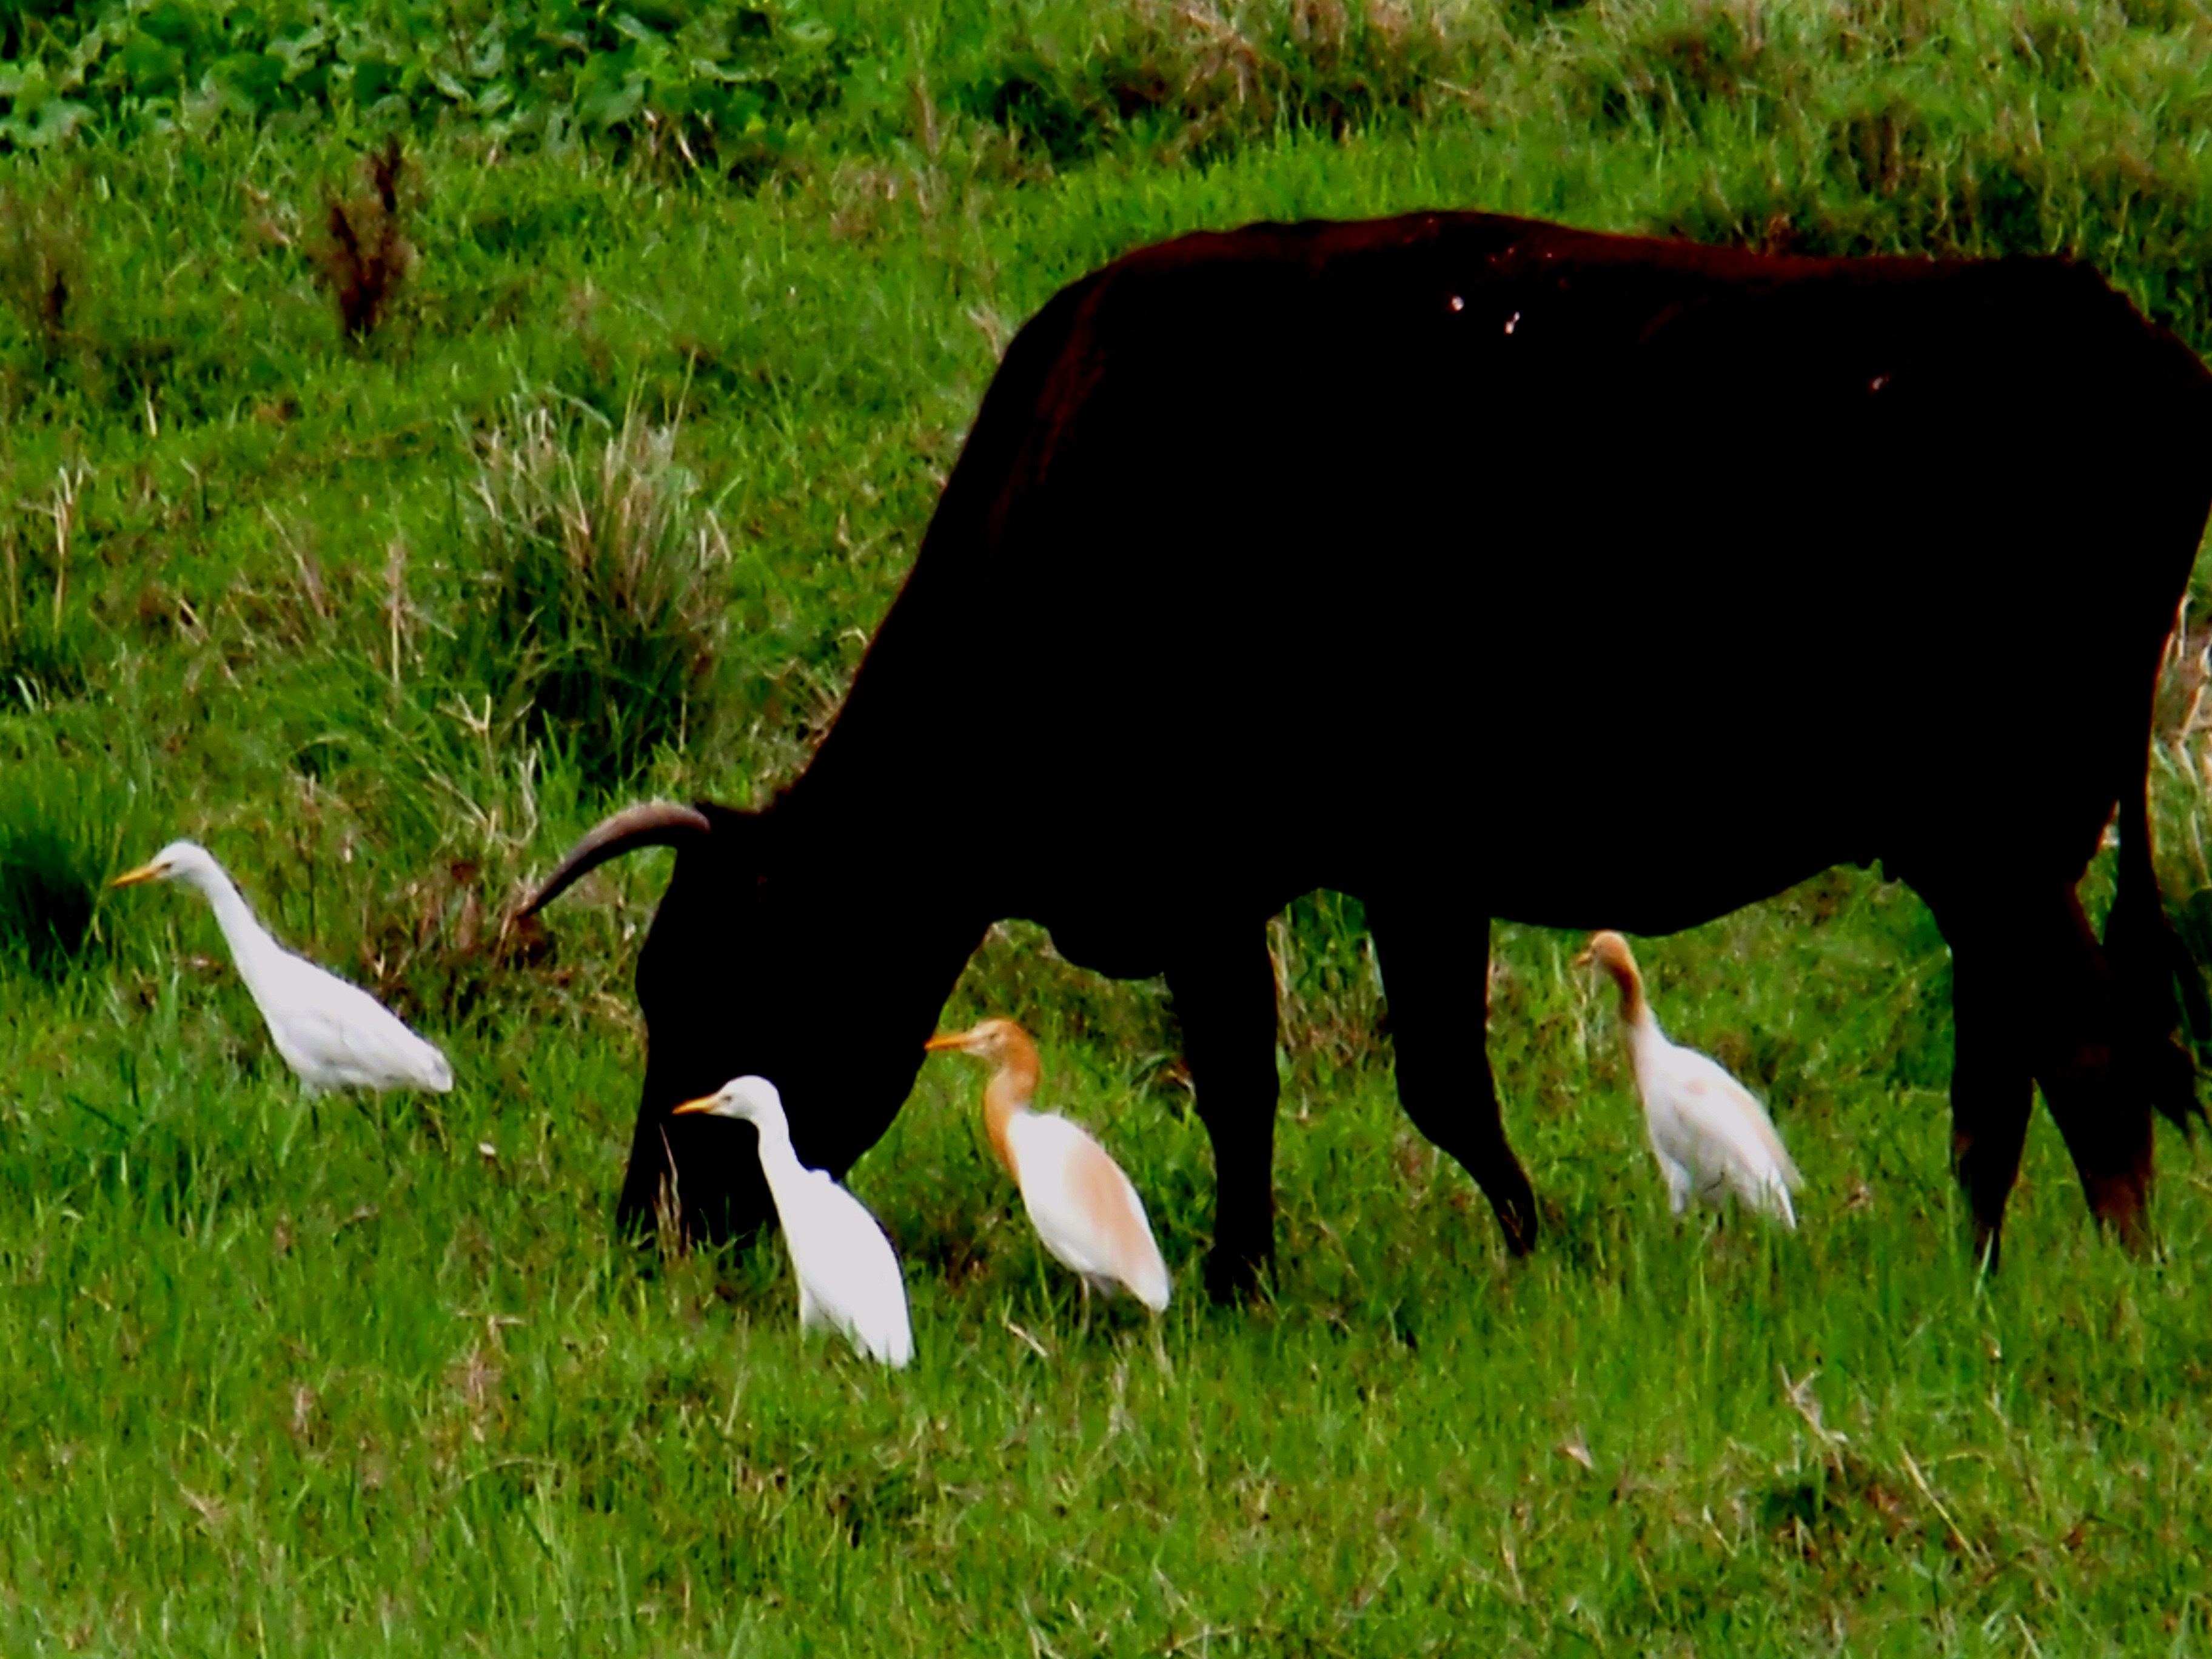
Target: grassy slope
{"type": "Point", "coordinates": [291, 1377]}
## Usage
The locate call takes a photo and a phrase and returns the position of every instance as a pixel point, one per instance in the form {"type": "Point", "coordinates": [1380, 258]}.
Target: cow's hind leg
{"type": "Point", "coordinates": [1436, 978]}
{"type": "Point", "coordinates": [1992, 1085]}
{"type": "Point", "coordinates": [2083, 1044]}
{"type": "Point", "coordinates": [2150, 964]}
{"type": "Point", "coordinates": [2034, 997]}
{"type": "Point", "coordinates": [1223, 987]}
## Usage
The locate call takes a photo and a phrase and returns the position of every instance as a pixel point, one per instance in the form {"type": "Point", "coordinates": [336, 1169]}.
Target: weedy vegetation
{"type": "Point", "coordinates": [365, 255]}
{"type": "Point", "coordinates": [422, 426]}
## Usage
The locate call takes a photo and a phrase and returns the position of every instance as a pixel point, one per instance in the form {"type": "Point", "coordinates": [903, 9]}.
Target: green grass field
{"type": "Point", "coordinates": [600, 496]}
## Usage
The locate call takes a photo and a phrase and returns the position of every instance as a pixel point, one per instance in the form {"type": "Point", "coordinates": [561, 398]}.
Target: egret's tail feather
{"type": "Point", "coordinates": [1151, 1286]}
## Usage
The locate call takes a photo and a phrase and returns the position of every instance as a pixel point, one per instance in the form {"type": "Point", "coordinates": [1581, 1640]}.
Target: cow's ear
{"type": "Point", "coordinates": [654, 824]}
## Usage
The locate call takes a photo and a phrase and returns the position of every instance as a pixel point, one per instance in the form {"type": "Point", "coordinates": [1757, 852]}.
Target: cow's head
{"type": "Point", "coordinates": [769, 960]}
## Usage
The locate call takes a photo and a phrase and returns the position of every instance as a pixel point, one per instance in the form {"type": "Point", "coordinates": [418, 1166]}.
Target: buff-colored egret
{"type": "Point", "coordinates": [848, 1276]}
{"type": "Point", "coordinates": [332, 1034]}
{"type": "Point", "coordinates": [1709, 1134]}
{"type": "Point", "coordinates": [1083, 1208]}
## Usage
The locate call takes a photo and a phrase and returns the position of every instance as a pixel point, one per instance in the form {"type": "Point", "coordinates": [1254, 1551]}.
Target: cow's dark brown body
{"type": "Point", "coordinates": [1482, 567]}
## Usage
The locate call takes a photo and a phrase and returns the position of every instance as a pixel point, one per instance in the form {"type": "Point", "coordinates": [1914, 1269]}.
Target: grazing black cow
{"type": "Point", "coordinates": [1481, 568]}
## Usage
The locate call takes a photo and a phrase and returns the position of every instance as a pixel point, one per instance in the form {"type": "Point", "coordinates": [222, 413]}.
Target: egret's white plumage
{"type": "Point", "coordinates": [1084, 1208]}
{"type": "Point", "coordinates": [1709, 1135]}
{"type": "Point", "coordinates": [332, 1034]}
{"type": "Point", "coordinates": [848, 1276]}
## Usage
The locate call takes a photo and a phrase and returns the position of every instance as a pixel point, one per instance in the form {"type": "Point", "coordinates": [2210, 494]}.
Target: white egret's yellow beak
{"type": "Point", "coordinates": [1585, 958]}
{"type": "Point", "coordinates": [946, 1039]}
{"type": "Point", "coordinates": [704, 1104]}
{"type": "Point", "coordinates": [143, 873]}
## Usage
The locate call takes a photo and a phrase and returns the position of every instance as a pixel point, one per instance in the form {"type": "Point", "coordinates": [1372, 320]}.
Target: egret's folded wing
{"type": "Point", "coordinates": [1719, 1111]}
{"type": "Point", "coordinates": [851, 1270]}
{"type": "Point", "coordinates": [343, 1032]}
{"type": "Point", "coordinates": [1086, 1209]}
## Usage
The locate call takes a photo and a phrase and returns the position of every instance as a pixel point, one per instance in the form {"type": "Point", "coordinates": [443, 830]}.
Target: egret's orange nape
{"type": "Point", "coordinates": [1085, 1210]}
{"type": "Point", "coordinates": [1607, 950]}
{"type": "Point", "coordinates": [1708, 1133]}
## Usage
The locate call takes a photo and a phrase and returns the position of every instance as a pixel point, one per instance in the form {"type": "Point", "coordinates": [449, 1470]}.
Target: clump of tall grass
{"type": "Point", "coordinates": [599, 599]}
{"type": "Point", "coordinates": [57, 831]}
{"type": "Point", "coordinates": [41, 651]}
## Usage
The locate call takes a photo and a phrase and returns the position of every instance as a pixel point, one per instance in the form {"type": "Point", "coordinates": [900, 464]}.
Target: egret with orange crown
{"type": "Point", "coordinates": [1083, 1208]}
{"type": "Point", "coordinates": [1709, 1135]}
{"type": "Point", "coordinates": [848, 1275]}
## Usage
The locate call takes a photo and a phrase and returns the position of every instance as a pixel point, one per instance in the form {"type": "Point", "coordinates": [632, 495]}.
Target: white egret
{"type": "Point", "coordinates": [1084, 1208]}
{"type": "Point", "coordinates": [849, 1277]}
{"type": "Point", "coordinates": [332, 1034]}
{"type": "Point", "coordinates": [1709, 1134]}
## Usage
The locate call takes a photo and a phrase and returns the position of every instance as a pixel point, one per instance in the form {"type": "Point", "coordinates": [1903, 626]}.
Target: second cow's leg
{"type": "Point", "coordinates": [1224, 987]}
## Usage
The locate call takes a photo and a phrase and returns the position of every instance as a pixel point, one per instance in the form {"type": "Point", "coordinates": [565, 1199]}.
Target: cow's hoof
{"type": "Point", "coordinates": [1988, 1245]}
{"type": "Point", "coordinates": [1517, 1220]}
{"type": "Point", "coordinates": [2121, 1202]}
{"type": "Point", "coordinates": [1233, 1275]}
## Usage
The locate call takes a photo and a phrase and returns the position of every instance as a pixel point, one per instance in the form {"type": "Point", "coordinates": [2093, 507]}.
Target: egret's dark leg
{"type": "Point", "coordinates": [1436, 973]}
{"type": "Point", "coordinates": [1225, 995]}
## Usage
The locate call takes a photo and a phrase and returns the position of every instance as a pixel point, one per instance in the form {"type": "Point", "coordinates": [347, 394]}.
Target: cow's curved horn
{"type": "Point", "coordinates": [654, 824]}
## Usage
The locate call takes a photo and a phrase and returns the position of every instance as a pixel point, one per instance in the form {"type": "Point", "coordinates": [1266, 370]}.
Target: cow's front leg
{"type": "Point", "coordinates": [1224, 987]}
{"type": "Point", "coordinates": [1435, 972]}
{"type": "Point", "coordinates": [1992, 1086]}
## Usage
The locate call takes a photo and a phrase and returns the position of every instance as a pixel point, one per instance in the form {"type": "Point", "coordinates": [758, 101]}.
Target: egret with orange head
{"type": "Point", "coordinates": [1710, 1136]}
{"type": "Point", "coordinates": [1085, 1211]}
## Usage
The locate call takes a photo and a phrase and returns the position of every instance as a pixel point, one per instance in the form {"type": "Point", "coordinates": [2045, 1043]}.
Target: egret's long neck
{"type": "Point", "coordinates": [778, 1162]}
{"type": "Point", "coordinates": [1009, 1090]}
{"type": "Point", "coordinates": [251, 947]}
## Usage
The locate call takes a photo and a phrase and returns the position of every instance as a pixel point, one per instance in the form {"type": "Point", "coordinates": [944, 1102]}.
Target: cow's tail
{"type": "Point", "coordinates": [2158, 980]}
